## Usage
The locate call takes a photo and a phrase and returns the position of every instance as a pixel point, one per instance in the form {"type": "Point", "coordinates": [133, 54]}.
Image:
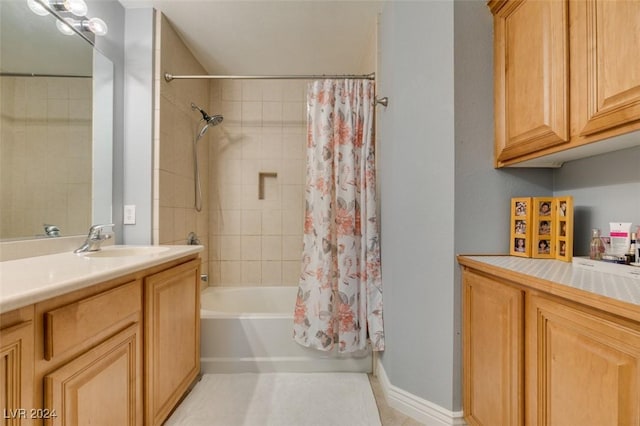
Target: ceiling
{"type": "Point", "coordinates": [274, 37]}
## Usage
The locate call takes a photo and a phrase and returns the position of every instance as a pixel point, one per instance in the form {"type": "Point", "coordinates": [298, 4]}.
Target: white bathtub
{"type": "Point", "coordinates": [250, 329]}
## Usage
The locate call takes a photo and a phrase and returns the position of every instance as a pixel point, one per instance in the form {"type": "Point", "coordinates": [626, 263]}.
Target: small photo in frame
{"type": "Point", "coordinates": [543, 247]}
{"type": "Point", "coordinates": [544, 227]}
{"type": "Point", "coordinates": [520, 242]}
{"type": "Point", "coordinates": [564, 228]}
{"type": "Point", "coordinates": [544, 207]}
{"type": "Point", "coordinates": [520, 245]}
{"type": "Point", "coordinates": [544, 238]}
{"type": "Point", "coordinates": [562, 232]}
{"type": "Point", "coordinates": [521, 208]}
{"type": "Point", "coordinates": [562, 248]}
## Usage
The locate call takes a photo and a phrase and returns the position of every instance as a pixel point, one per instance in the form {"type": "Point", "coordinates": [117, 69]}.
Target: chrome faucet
{"type": "Point", "coordinates": [51, 230]}
{"type": "Point", "coordinates": [94, 239]}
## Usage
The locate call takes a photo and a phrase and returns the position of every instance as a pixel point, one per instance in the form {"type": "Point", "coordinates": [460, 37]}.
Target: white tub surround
{"type": "Point", "coordinates": [249, 330]}
{"type": "Point", "coordinates": [30, 280]}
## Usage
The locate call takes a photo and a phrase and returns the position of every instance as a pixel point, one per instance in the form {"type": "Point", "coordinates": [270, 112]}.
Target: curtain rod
{"type": "Point", "coordinates": [19, 74]}
{"type": "Point", "coordinates": [168, 77]}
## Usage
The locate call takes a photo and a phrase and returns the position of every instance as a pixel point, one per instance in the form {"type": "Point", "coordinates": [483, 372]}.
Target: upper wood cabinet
{"type": "Point", "coordinates": [606, 66]}
{"type": "Point", "coordinates": [566, 74]}
{"type": "Point", "coordinates": [531, 76]}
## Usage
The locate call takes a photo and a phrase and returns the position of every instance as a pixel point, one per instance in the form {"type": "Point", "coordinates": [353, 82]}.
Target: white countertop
{"type": "Point", "coordinates": [34, 279]}
{"type": "Point", "coordinates": [601, 283]}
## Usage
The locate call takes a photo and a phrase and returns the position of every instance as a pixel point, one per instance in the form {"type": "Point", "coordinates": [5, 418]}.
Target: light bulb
{"type": "Point", "coordinates": [65, 28]}
{"type": "Point", "coordinates": [37, 8]}
{"type": "Point", "coordinates": [96, 26]}
{"type": "Point", "coordinates": [77, 7]}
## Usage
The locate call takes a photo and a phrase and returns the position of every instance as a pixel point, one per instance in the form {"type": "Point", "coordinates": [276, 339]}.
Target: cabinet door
{"type": "Point", "coordinates": [492, 352]}
{"type": "Point", "coordinates": [102, 386]}
{"type": "Point", "coordinates": [581, 369]}
{"type": "Point", "coordinates": [531, 59]}
{"type": "Point", "coordinates": [172, 337]}
{"type": "Point", "coordinates": [606, 63]}
{"type": "Point", "coordinates": [16, 374]}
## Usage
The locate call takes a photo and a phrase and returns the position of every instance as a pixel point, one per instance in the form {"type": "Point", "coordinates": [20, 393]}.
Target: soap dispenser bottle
{"type": "Point", "coordinates": [597, 246]}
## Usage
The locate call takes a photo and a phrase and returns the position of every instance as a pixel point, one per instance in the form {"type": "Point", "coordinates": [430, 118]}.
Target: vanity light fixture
{"type": "Point", "coordinates": [63, 9]}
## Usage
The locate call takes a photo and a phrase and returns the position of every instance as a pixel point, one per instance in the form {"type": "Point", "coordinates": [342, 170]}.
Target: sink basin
{"type": "Point", "coordinates": [115, 251]}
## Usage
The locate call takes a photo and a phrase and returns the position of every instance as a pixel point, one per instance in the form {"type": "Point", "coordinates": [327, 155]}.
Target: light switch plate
{"type": "Point", "coordinates": [129, 214]}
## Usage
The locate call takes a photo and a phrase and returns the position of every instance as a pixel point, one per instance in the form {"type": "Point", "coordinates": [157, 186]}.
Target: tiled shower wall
{"type": "Point", "coordinates": [257, 241]}
{"type": "Point", "coordinates": [45, 155]}
{"type": "Point", "coordinates": [176, 127]}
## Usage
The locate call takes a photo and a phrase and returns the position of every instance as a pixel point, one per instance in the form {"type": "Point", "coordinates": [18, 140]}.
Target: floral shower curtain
{"type": "Point", "coordinates": [339, 297]}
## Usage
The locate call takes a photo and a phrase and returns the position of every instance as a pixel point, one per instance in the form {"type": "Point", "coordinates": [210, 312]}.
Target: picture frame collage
{"type": "Point", "coordinates": [542, 227]}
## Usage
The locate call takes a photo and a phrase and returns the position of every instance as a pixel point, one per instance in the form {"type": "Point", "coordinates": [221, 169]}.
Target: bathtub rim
{"type": "Point", "coordinates": [213, 314]}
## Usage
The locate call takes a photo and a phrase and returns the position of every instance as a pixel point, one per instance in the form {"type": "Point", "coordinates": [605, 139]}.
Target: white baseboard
{"type": "Point", "coordinates": [413, 406]}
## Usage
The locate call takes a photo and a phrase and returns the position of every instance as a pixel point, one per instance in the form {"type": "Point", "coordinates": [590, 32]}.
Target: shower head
{"type": "Point", "coordinates": [210, 120]}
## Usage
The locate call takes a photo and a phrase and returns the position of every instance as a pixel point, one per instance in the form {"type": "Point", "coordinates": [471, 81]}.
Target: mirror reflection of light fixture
{"type": "Point", "coordinates": [62, 8]}
{"type": "Point", "coordinates": [95, 25]}
{"type": "Point", "coordinates": [37, 8]}
{"type": "Point", "coordinates": [77, 7]}
{"type": "Point", "coordinates": [66, 29]}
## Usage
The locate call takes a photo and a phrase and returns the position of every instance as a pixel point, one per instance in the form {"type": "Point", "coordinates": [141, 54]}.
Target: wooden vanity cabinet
{"type": "Point", "coordinates": [16, 367]}
{"type": "Point", "coordinates": [566, 74]}
{"type": "Point", "coordinates": [120, 352]}
{"type": "Point", "coordinates": [493, 351]}
{"type": "Point", "coordinates": [172, 338]}
{"type": "Point", "coordinates": [532, 358]}
{"type": "Point", "coordinates": [89, 355]}
{"type": "Point", "coordinates": [583, 366]}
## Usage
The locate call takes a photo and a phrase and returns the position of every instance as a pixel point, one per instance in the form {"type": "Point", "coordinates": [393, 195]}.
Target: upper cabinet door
{"type": "Point", "coordinates": [531, 76]}
{"type": "Point", "coordinates": [607, 42]}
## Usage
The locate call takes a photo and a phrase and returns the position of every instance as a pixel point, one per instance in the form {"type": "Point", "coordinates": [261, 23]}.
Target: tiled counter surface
{"type": "Point", "coordinates": [609, 292]}
{"type": "Point", "coordinates": [33, 279]}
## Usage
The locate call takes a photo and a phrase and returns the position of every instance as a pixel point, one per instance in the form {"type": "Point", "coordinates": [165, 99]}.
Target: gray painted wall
{"type": "Point", "coordinates": [436, 149]}
{"type": "Point", "coordinates": [138, 136]}
{"type": "Point", "coordinates": [416, 178]}
{"type": "Point", "coordinates": [605, 188]}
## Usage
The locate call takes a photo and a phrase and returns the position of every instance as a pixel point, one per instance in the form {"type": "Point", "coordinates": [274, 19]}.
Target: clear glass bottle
{"type": "Point", "coordinates": [596, 248]}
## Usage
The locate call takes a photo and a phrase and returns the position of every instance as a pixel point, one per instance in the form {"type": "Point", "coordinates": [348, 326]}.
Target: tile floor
{"type": "Point", "coordinates": [389, 416]}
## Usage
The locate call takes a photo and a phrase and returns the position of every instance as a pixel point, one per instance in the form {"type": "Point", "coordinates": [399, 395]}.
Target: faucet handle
{"type": "Point", "coordinates": [51, 230]}
{"type": "Point", "coordinates": [96, 230]}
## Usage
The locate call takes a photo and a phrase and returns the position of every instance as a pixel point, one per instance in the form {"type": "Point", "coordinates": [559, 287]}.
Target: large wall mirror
{"type": "Point", "coordinates": [56, 125]}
